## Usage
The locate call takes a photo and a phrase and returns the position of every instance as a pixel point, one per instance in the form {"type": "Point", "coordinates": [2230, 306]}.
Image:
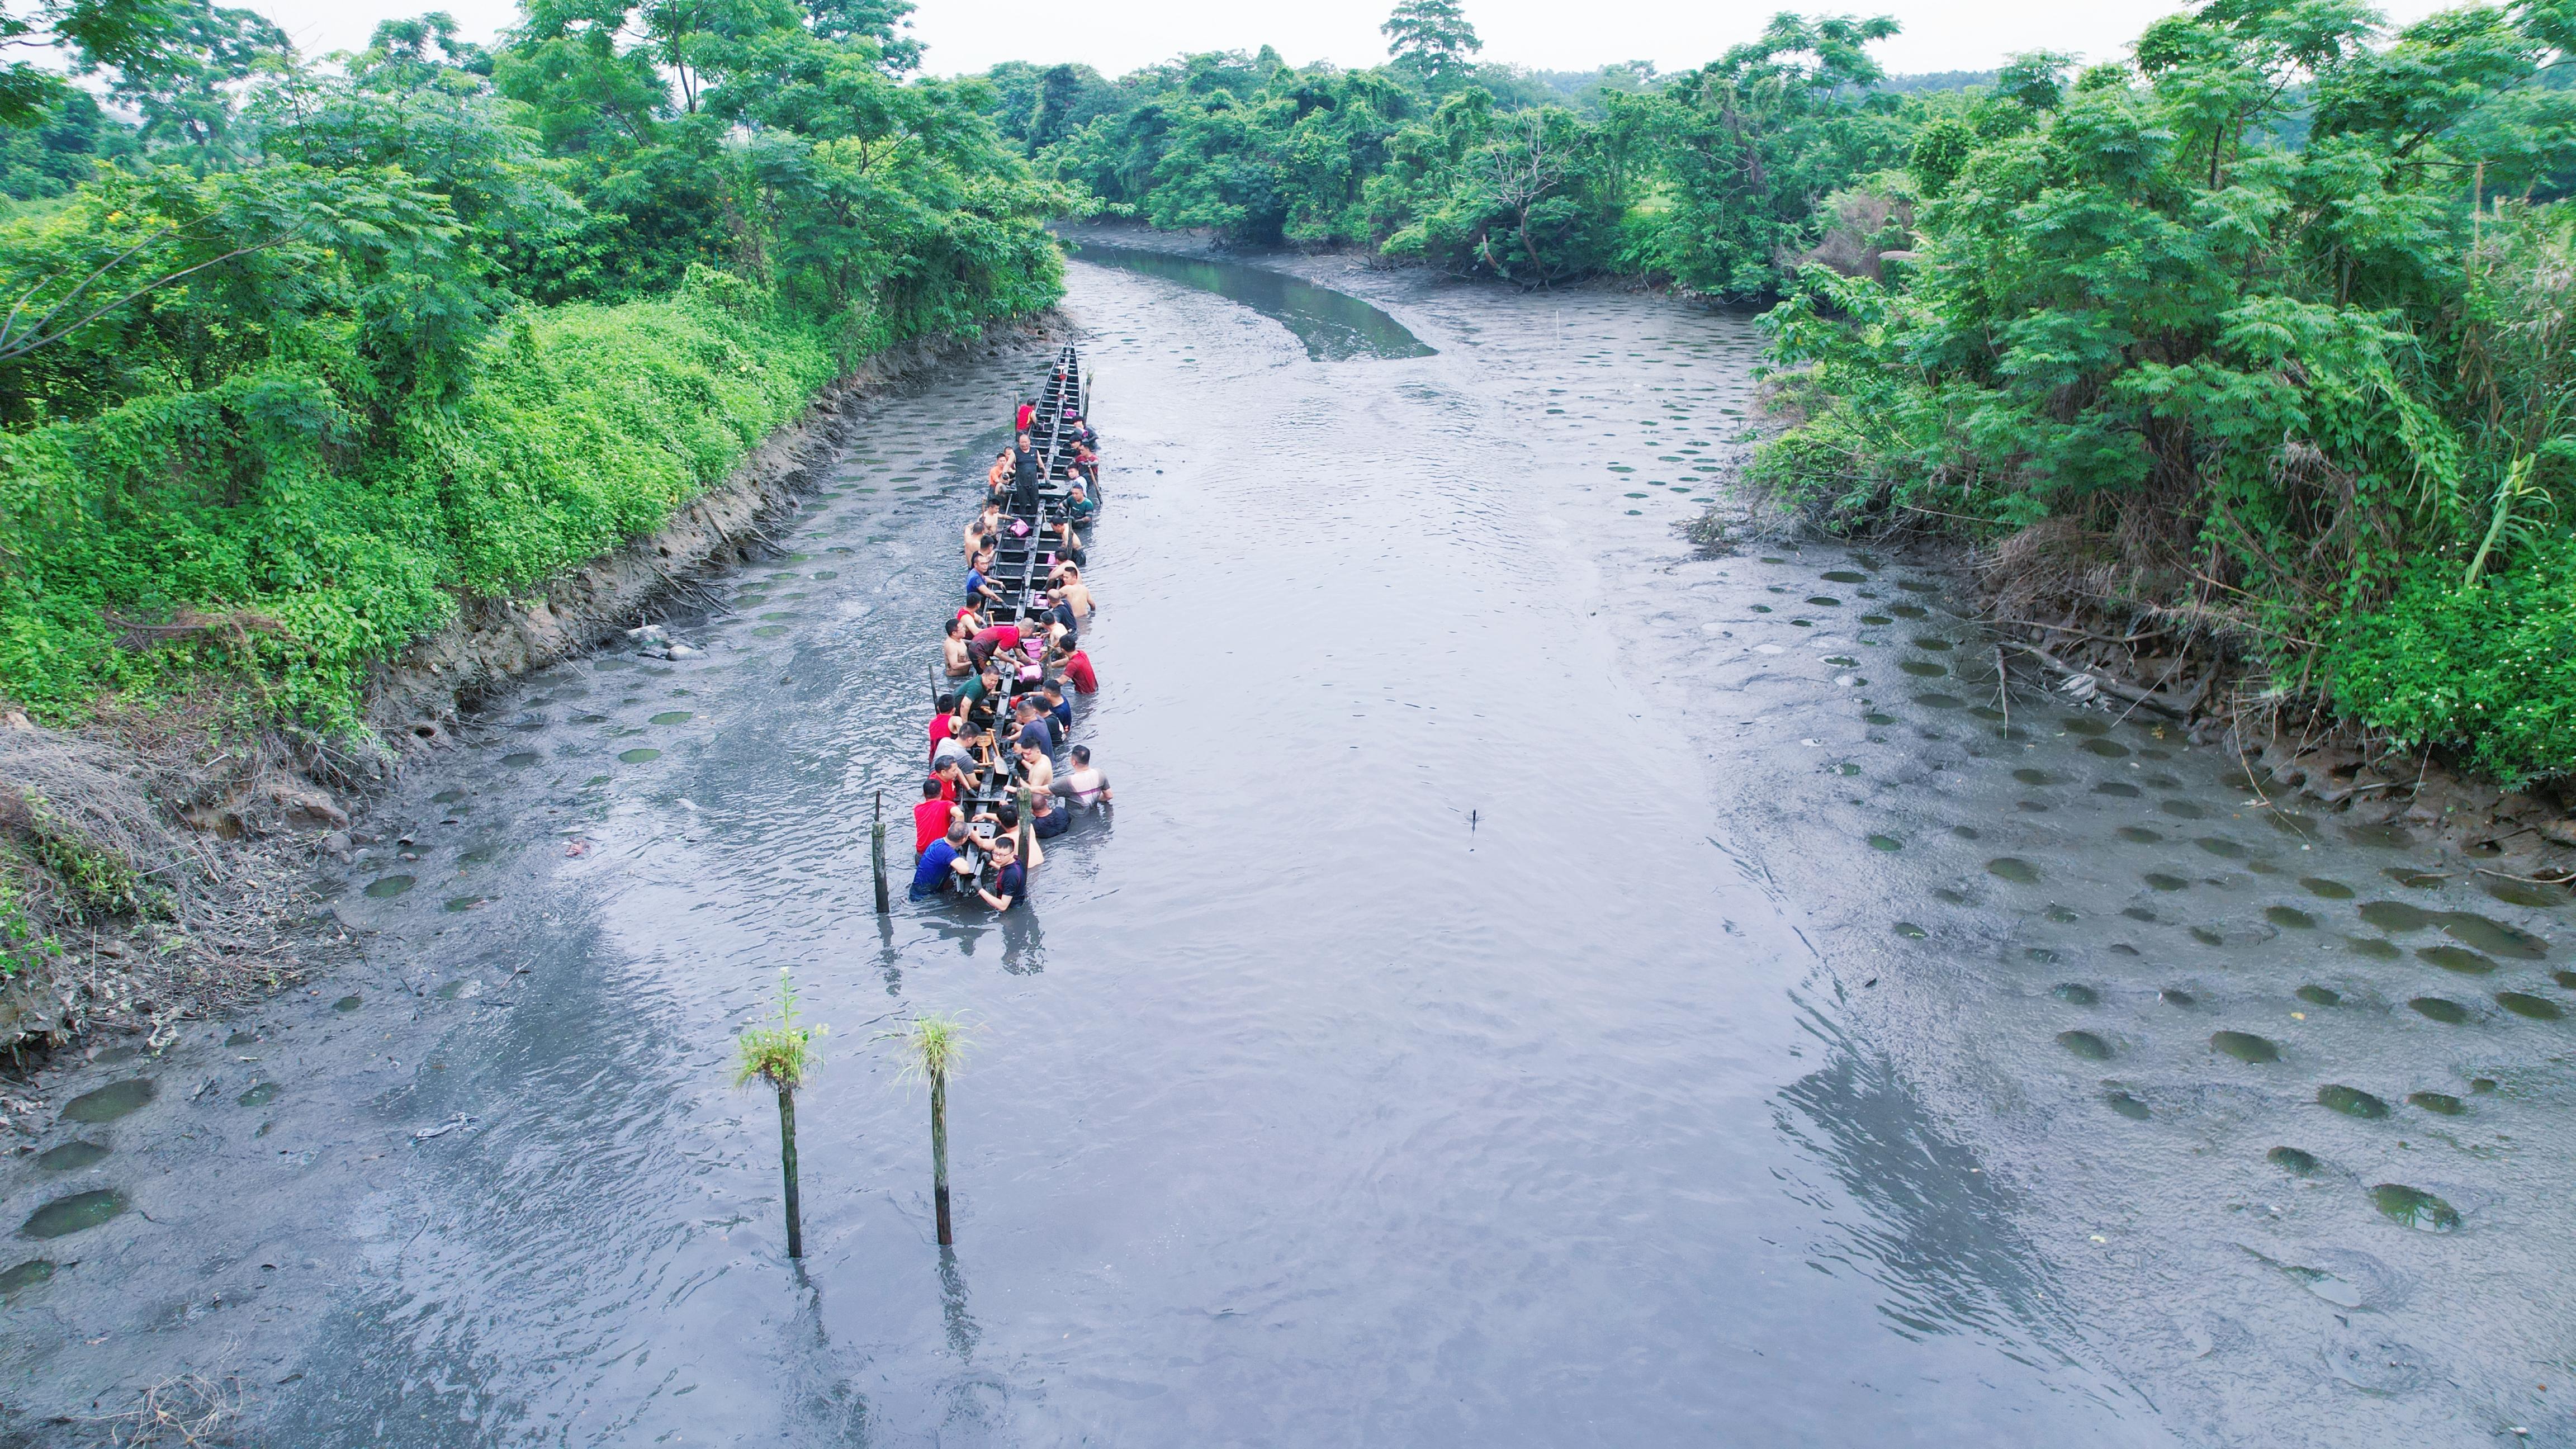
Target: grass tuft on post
{"type": "Point", "coordinates": [935, 1045]}
{"type": "Point", "coordinates": [782, 1056]}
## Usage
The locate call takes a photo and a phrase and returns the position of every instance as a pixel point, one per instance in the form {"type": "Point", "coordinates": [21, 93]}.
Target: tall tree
{"type": "Point", "coordinates": [1432, 39]}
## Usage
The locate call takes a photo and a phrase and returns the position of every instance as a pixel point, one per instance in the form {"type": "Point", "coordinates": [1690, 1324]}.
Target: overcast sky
{"type": "Point", "coordinates": [1119, 35]}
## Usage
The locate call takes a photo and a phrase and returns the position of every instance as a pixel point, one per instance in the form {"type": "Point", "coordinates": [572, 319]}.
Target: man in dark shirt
{"type": "Point", "coordinates": [1027, 472]}
{"type": "Point", "coordinates": [1060, 707]}
{"type": "Point", "coordinates": [1059, 616]}
{"type": "Point", "coordinates": [1048, 822]}
{"type": "Point", "coordinates": [1010, 878]}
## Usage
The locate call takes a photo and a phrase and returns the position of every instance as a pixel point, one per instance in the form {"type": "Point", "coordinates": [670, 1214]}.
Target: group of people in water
{"type": "Point", "coordinates": [1011, 664]}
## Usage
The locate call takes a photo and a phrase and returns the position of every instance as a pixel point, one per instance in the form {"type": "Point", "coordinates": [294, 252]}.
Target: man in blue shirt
{"type": "Point", "coordinates": [942, 860]}
{"type": "Point", "coordinates": [1060, 707]}
{"type": "Point", "coordinates": [1033, 729]}
{"type": "Point", "coordinates": [979, 587]}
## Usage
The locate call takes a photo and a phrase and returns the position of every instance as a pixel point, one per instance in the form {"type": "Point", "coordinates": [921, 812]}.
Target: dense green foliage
{"type": "Point", "coordinates": [335, 348]}
{"type": "Point", "coordinates": [1708, 179]}
{"type": "Point", "coordinates": [2314, 397]}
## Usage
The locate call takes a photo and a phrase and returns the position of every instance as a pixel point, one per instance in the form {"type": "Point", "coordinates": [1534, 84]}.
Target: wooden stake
{"type": "Point", "coordinates": [876, 851]}
{"type": "Point", "coordinates": [938, 1156]}
{"type": "Point", "coordinates": [787, 1164]}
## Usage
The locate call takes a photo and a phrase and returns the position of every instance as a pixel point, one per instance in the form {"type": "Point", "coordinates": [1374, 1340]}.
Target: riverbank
{"type": "Point", "coordinates": [2092, 646]}
{"type": "Point", "coordinates": [205, 836]}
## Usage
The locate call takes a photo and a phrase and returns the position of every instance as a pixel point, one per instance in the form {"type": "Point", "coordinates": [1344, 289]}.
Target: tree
{"type": "Point", "coordinates": [1431, 38]}
{"type": "Point", "coordinates": [135, 41]}
{"type": "Point", "coordinates": [2234, 325]}
{"type": "Point", "coordinates": [187, 99]}
{"type": "Point", "coordinates": [1749, 144]}
{"type": "Point", "coordinates": [781, 1057]}
{"type": "Point", "coordinates": [934, 1047]}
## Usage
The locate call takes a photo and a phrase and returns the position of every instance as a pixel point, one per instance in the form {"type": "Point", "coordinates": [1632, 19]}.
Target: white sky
{"type": "Point", "coordinates": [1118, 36]}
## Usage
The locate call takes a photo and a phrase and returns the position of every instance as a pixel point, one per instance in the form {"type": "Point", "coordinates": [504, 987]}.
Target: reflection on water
{"type": "Point", "coordinates": [1935, 1231]}
{"type": "Point", "coordinates": [1335, 326]}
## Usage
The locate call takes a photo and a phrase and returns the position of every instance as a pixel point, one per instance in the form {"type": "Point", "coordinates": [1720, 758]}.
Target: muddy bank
{"type": "Point", "coordinates": [2094, 651]}
{"type": "Point", "coordinates": [173, 852]}
{"type": "Point", "coordinates": [2298, 751]}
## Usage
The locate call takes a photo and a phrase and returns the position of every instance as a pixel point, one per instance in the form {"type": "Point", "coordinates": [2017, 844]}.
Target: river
{"type": "Point", "coordinates": [1540, 985]}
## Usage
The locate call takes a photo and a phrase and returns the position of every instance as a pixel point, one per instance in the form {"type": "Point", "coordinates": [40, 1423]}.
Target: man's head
{"type": "Point", "coordinates": [1030, 752]}
{"type": "Point", "coordinates": [1043, 804]}
{"type": "Point", "coordinates": [1008, 816]}
{"type": "Point", "coordinates": [1082, 754]}
{"type": "Point", "coordinates": [947, 704]}
{"type": "Point", "coordinates": [956, 626]}
{"type": "Point", "coordinates": [930, 788]}
{"type": "Point", "coordinates": [956, 832]}
{"type": "Point", "coordinates": [1054, 691]}
{"type": "Point", "coordinates": [1005, 850]}
{"type": "Point", "coordinates": [1024, 440]}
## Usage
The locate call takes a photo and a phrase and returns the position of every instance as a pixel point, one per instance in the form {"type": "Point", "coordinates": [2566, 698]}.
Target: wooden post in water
{"type": "Point", "coordinates": [934, 1045]}
{"type": "Point", "coordinates": [876, 851]}
{"type": "Point", "coordinates": [787, 1165]}
{"type": "Point", "coordinates": [781, 1056]}
{"type": "Point", "coordinates": [939, 1153]}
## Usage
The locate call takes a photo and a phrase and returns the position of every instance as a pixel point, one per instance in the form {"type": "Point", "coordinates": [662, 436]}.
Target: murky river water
{"type": "Point", "coordinates": [1539, 987]}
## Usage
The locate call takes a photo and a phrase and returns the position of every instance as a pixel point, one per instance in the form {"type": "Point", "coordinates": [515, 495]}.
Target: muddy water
{"type": "Point", "coordinates": [1539, 987]}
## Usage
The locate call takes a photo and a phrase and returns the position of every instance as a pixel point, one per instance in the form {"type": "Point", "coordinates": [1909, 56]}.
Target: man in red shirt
{"type": "Point", "coordinates": [997, 639]}
{"type": "Point", "coordinates": [1077, 667]}
{"type": "Point", "coordinates": [930, 817]}
{"type": "Point", "coordinates": [944, 723]}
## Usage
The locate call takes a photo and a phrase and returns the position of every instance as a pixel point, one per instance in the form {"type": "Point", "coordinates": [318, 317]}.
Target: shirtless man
{"type": "Point", "coordinates": [954, 651]}
{"type": "Point", "coordinates": [1036, 770]}
{"type": "Point", "coordinates": [1069, 585]}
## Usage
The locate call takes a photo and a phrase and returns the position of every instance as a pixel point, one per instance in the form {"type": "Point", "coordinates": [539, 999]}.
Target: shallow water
{"type": "Point", "coordinates": [1334, 325]}
{"type": "Point", "coordinates": [1537, 980]}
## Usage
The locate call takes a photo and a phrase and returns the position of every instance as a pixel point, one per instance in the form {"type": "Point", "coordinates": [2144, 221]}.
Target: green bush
{"type": "Point", "coordinates": [581, 427]}
{"type": "Point", "coordinates": [2488, 671]}
{"type": "Point", "coordinates": [23, 946]}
